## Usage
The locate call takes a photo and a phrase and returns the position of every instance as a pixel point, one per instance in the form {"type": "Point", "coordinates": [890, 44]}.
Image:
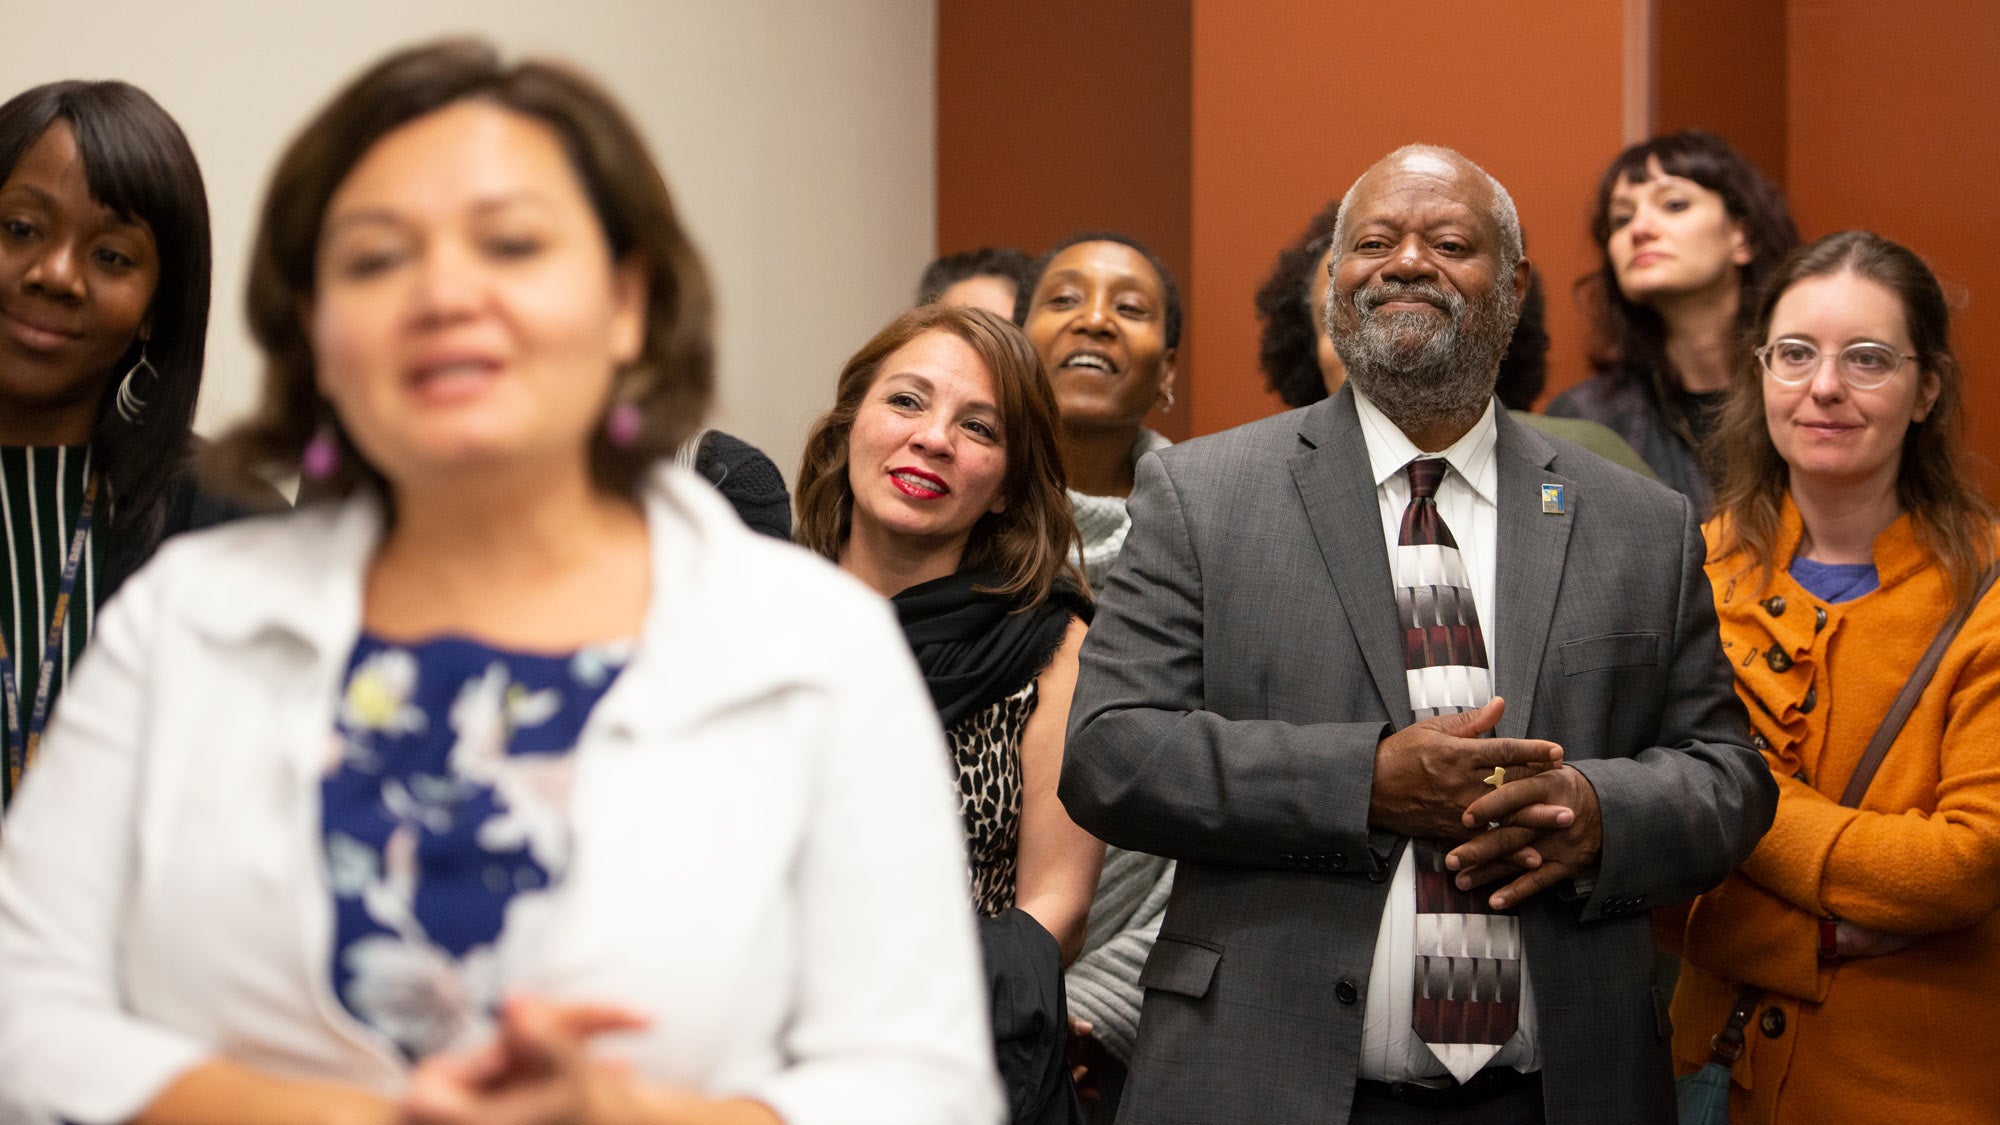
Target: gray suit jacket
{"type": "Point", "coordinates": [1244, 662]}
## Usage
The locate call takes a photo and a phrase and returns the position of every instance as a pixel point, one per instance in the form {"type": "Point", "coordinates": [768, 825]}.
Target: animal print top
{"type": "Point", "coordinates": [987, 748]}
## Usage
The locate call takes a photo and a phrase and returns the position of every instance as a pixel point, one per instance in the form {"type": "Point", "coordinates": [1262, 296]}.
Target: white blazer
{"type": "Point", "coordinates": [767, 857]}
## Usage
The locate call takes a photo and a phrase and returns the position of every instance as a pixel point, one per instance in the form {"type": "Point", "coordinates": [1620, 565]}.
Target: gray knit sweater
{"type": "Point", "coordinates": [1132, 891]}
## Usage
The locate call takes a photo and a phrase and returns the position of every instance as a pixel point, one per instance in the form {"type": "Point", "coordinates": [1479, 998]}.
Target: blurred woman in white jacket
{"type": "Point", "coordinates": [514, 780]}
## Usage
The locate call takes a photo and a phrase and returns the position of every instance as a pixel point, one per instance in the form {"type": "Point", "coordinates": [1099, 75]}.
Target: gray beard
{"type": "Point", "coordinates": [1421, 373]}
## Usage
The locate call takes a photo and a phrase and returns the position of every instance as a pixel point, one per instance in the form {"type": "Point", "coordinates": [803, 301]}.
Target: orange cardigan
{"type": "Point", "coordinates": [1910, 1036]}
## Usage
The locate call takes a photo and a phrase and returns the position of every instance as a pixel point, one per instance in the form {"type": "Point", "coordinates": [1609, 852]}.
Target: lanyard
{"type": "Point", "coordinates": [22, 741]}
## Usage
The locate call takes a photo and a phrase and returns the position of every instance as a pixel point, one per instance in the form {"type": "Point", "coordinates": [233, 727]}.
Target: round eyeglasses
{"type": "Point", "coordinates": [1863, 366]}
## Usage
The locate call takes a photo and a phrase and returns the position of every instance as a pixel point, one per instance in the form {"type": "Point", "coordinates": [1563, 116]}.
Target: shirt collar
{"type": "Point", "coordinates": [1389, 449]}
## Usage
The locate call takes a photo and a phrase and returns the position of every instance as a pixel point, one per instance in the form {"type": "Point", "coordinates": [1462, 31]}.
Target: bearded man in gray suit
{"type": "Point", "coordinates": [1431, 709]}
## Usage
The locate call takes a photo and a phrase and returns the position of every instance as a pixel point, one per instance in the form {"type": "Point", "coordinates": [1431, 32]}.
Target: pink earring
{"type": "Point", "coordinates": [321, 458]}
{"type": "Point", "coordinates": [622, 425]}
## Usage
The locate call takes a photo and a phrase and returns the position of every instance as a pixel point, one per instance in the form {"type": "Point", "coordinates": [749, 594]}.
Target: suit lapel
{"type": "Point", "coordinates": [1528, 573]}
{"type": "Point", "coordinates": [1338, 489]}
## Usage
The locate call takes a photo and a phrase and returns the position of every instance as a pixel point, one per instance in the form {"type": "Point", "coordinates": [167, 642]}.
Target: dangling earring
{"type": "Point", "coordinates": [623, 424]}
{"type": "Point", "coordinates": [1168, 406]}
{"type": "Point", "coordinates": [128, 403]}
{"type": "Point", "coordinates": [321, 458]}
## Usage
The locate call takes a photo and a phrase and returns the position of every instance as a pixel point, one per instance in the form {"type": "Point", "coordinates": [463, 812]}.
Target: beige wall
{"type": "Point", "coordinates": [798, 139]}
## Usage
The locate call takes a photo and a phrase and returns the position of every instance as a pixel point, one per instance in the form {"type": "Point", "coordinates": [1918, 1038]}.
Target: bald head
{"type": "Point", "coordinates": [1427, 276]}
{"type": "Point", "coordinates": [1435, 167]}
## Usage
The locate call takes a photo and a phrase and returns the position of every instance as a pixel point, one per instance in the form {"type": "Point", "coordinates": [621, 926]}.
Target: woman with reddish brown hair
{"type": "Point", "coordinates": [1857, 951]}
{"type": "Point", "coordinates": [935, 480]}
{"type": "Point", "coordinates": [471, 793]}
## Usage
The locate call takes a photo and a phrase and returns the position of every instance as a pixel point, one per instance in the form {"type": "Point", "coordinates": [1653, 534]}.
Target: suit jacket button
{"type": "Point", "coordinates": [1338, 859]}
{"type": "Point", "coordinates": [1776, 658]}
{"type": "Point", "coordinates": [1773, 1023]}
{"type": "Point", "coordinates": [1775, 606]}
{"type": "Point", "coordinates": [1346, 993]}
{"type": "Point", "coordinates": [1379, 875]}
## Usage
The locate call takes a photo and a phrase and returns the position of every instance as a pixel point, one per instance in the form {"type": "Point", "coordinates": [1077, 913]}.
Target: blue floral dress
{"type": "Point", "coordinates": [445, 819]}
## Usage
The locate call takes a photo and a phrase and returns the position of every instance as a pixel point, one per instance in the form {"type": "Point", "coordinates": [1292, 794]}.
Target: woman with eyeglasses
{"type": "Point", "coordinates": [1857, 951]}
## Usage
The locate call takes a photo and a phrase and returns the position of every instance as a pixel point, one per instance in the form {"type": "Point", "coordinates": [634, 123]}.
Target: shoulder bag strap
{"type": "Point", "coordinates": [1906, 700]}
{"type": "Point", "coordinates": [1727, 1045]}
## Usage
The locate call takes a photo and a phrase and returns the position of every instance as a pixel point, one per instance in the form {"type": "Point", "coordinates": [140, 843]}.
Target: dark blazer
{"type": "Point", "coordinates": [1245, 661]}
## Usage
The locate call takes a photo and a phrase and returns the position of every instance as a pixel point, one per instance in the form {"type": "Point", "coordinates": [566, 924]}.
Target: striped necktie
{"type": "Point", "coordinates": [1468, 958]}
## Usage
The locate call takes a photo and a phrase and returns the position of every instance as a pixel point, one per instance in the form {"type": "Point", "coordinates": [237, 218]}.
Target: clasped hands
{"type": "Point", "coordinates": [538, 1070]}
{"type": "Point", "coordinates": [1537, 828]}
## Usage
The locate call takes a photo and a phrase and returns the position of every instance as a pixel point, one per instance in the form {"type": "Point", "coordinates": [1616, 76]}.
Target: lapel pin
{"type": "Point", "coordinates": [1552, 500]}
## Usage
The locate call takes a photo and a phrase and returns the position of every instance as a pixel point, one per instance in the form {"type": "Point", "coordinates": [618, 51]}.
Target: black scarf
{"type": "Point", "coordinates": [973, 650]}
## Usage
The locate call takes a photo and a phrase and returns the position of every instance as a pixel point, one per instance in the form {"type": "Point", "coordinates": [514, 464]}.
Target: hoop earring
{"type": "Point", "coordinates": [128, 403]}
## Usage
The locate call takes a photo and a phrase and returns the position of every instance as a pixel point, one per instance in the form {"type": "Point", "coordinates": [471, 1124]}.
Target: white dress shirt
{"type": "Point", "coordinates": [1390, 1048]}
{"type": "Point", "coordinates": [768, 862]}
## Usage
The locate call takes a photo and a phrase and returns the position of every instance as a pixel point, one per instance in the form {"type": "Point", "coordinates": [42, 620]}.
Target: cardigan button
{"type": "Point", "coordinates": [1773, 1023]}
{"type": "Point", "coordinates": [1777, 659]}
{"type": "Point", "coordinates": [1819, 618]}
{"type": "Point", "coordinates": [1775, 606]}
{"type": "Point", "coordinates": [1759, 743]}
{"type": "Point", "coordinates": [1811, 701]}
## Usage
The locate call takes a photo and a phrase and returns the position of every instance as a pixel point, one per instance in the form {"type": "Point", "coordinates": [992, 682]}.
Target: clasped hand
{"type": "Point", "coordinates": [538, 1071]}
{"type": "Point", "coordinates": [1541, 826]}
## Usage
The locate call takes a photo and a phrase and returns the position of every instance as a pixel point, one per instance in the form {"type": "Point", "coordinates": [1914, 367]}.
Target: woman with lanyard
{"type": "Point", "coordinates": [104, 275]}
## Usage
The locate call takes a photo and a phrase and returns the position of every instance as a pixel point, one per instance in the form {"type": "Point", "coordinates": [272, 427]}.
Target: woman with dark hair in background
{"type": "Point", "coordinates": [989, 278]}
{"type": "Point", "coordinates": [392, 809]}
{"type": "Point", "coordinates": [935, 480]}
{"type": "Point", "coordinates": [1293, 347]}
{"type": "Point", "coordinates": [104, 277]}
{"type": "Point", "coordinates": [1301, 367]}
{"type": "Point", "coordinates": [1688, 228]}
{"type": "Point", "coordinates": [1861, 940]}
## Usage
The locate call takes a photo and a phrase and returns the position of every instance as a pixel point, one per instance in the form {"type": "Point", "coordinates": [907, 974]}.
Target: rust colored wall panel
{"type": "Point", "coordinates": [1293, 99]}
{"type": "Point", "coordinates": [1056, 116]}
{"type": "Point", "coordinates": [1722, 68]}
{"type": "Point", "coordinates": [1893, 117]}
